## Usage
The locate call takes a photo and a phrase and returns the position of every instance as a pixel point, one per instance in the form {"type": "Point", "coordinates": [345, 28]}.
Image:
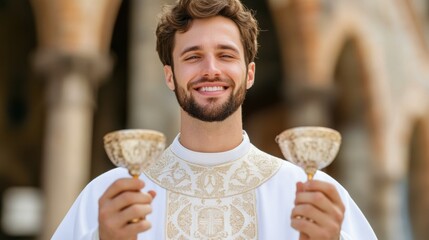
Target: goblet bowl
{"type": "Point", "coordinates": [134, 149]}
{"type": "Point", "coordinates": [311, 148]}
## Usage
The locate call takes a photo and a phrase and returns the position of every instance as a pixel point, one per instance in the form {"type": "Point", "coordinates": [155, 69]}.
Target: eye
{"type": "Point", "coordinates": [226, 56]}
{"type": "Point", "coordinates": [192, 57]}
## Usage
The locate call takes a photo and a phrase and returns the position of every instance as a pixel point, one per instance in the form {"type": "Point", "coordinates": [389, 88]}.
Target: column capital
{"type": "Point", "coordinates": [71, 79]}
{"type": "Point", "coordinates": [309, 104]}
{"type": "Point", "coordinates": [54, 64]}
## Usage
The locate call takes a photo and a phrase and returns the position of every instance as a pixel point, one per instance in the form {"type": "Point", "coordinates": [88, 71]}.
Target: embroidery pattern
{"type": "Point", "coordinates": [212, 202]}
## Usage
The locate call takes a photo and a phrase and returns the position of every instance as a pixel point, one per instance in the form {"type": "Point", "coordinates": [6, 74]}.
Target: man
{"type": "Point", "coordinates": [212, 183]}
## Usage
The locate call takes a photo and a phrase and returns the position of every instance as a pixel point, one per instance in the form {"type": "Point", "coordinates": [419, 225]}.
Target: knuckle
{"type": "Point", "coordinates": [117, 184]}
{"type": "Point", "coordinates": [332, 229]}
{"type": "Point", "coordinates": [102, 215]}
{"type": "Point", "coordinates": [294, 212]}
{"type": "Point", "coordinates": [338, 216]}
{"type": "Point", "coordinates": [324, 234]}
{"type": "Point", "coordinates": [145, 225]}
{"type": "Point", "coordinates": [135, 208]}
{"type": "Point", "coordinates": [148, 197]}
{"type": "Point", "coordinates": [148, 209]}
{"type": "Point", "coordinates": [342, 207]}
{"type": "Point", "coordinates": [331, 188]}
{"type": "Point", "coordinates": [318, 196]}
{"type": "Point", "coordinates": [128, 197]}
{"type": "Point", "coordinates": [101, 201]}
{"type": "Point", "coordinates": [306, 208]}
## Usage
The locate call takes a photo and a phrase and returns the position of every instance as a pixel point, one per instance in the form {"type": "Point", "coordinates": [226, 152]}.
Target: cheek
{"type": "Point", "coordinates": [184, 75]}
{"type": "Point", "coordinates": [234, 71]}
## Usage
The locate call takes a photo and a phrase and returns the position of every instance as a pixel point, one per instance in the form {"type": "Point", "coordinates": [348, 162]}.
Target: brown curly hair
{"type": "Point", "coordinates": [178, 17]}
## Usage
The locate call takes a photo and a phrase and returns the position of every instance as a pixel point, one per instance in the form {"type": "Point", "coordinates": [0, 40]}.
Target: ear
{"type": "Point", "coordinates": [250, 75]}
{"type": "Point", "coordinates": [168, 74]}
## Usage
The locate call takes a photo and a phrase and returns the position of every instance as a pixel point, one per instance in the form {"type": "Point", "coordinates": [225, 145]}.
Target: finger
{"type": "Point", "coordinates": [315, 198]}
{"type": "Point", "coordinates": [320, 203]}
{"type": "Point", "coordinates": [299, 187]}
{"type": "Point", "coordinates": [312, 230]}
{"type": "Point", "coordinates": [323, 194]}
{"type": "Point", "coordinates": [152, 193]}
{"type": "Point", "coordinates": [138, 227]}
{"type": "Point", "coordinates": [303, 236]}
{"type": "Point", "coordinates": [305, 227]}
{"type": "Point", "coordinates": [314, 215]}
{"type": "Point", "coordinates": [129, 231]}
{"type": "Point", "coordinates": [328, 189]}
{"type": "Point", "coordinates": [121, 185]}
{"type": "Point", "coordinates": [136, 211]}
{"type": "Point", "coordinates": [126, 199]}
{"type": "Point", "coordinates": [308, 212]}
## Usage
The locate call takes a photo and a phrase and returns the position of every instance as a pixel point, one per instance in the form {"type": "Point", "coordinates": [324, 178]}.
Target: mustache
{"type": "Point", "coordinates": [209, 80]}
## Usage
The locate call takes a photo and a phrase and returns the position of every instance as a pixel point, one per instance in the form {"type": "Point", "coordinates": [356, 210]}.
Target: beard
{"type": "Point", "coordinates": [211, 112]}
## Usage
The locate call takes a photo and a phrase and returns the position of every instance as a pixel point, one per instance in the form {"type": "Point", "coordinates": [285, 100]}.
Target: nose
{"type": "Point", "coordinates": [211, 67]}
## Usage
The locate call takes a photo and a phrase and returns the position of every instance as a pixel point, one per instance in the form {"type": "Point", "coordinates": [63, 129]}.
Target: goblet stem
{"type": "Point", "coordinates": [310, 170]}
{"type": "Point", "coordinates": [135, 220]}
{"type": "Point", "coordinates": [135, 176]}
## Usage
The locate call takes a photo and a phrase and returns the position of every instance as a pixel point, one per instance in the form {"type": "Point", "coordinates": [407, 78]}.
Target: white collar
{"type": "Point", "coordinates": [210, 159]}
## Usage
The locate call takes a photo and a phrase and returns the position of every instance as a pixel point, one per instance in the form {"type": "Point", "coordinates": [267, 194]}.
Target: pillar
{"type": "Point", "coordinates": [73, 56]}
{"type": "Point", "coordinates": [151, 104]}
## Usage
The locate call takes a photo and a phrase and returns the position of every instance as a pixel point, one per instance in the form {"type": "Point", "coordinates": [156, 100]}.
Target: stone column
{"type": "Point", "coordinates": [151, 104]}
{"type": "Point", "coordinates": [308, 93]}
{"type": "Point", "coordinates": [73, 55]}
{"type": "Point", "coordinates": [71, 84]}
{"type": "Point", "coordinates": [309, 104]}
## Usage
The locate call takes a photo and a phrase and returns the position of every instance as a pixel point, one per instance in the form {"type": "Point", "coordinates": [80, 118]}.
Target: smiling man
{"type": "Point", "coordinates": [211, 182]}
{"type": "Point", "coordinates": [211, 75]}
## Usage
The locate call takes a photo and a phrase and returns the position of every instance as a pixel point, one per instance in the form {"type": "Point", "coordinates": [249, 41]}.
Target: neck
{"type": "Point", "coordinates": [200, 136]}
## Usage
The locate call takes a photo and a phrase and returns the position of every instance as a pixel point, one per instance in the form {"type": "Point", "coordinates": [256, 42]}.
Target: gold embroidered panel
{"type": "Point", "coordinates": [225, 218]}
{"type": "Point", "coordinates": [223, 180]}
{"type": "Point", "coordinates": [212, 202]}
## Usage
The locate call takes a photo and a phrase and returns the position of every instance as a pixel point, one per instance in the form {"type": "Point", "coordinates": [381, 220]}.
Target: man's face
{"type": "Point", "coordinates": [210, 76]}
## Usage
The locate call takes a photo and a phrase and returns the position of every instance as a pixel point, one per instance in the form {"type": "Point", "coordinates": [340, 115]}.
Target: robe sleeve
{"type": "Point", "coordinates": [81, 221]}
{"type": "Point", "coordinates": [355, 226]}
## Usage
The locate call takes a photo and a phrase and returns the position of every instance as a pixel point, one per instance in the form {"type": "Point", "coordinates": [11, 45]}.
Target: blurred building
{"type": "Point", "coordinates": [74, 70]}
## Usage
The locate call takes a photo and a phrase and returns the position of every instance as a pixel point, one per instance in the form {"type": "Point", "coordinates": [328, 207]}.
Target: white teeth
{"type": "Point", "coordinates": [211, 89]}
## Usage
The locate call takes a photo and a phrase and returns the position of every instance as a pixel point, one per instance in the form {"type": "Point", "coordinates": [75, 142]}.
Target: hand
{"type": "Point", "coordinates": [318, 211]}
{"type": "Point", "coordinates": [121, 203]}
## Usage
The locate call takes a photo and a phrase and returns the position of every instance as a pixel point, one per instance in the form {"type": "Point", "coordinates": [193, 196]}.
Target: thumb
{"type": "Point", "coordinates": [152, 193]}
{"type": "Point", "coordinates": [300, 187]}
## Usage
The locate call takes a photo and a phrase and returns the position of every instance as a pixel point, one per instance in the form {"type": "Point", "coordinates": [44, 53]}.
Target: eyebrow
{"type": "Point", "coordinates": [190, 49]}
{"type": "Point", "coordinates": [219, 46]}
{"type": "Point", "coordinates": [228, 47]}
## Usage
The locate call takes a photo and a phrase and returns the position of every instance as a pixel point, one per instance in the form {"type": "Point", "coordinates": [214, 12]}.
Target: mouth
{"type": "Point", "coordinates": [211, 89]}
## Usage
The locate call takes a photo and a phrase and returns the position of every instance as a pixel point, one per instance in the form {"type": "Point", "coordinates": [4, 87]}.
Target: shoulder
{"type": "Point", "coordinates": [289, 173]}
{"type": "Point", "coordinates": [103, 181]}
{"type": "Point", "coordinates": [285, 168]}
{"type": "Point", "coordinates": [99, 184]}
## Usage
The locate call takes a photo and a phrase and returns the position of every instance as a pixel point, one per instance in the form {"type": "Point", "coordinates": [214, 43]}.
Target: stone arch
{"type": "Point", "coordinates": [348, 28]}
{"type": "Point", "coordinates": [349, 25]}
{"type": "Point", "coordinates": [351, 115]}
{"type": "Point", "coordinates": [409, 141]}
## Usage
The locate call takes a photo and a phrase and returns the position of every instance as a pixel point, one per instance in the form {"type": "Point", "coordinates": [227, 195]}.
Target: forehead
{"type": "Point", "coordinates": [209, 33]}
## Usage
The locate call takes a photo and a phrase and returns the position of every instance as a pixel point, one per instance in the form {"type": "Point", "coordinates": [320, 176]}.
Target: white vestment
{"type": "Point", "coordinates": [243, 193]}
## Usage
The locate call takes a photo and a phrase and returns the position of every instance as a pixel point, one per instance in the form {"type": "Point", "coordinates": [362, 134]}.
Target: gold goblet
{"type": "Point", "coordinates": [311, 148]}
{"type": "Point", "coordinates": [134, 149]}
